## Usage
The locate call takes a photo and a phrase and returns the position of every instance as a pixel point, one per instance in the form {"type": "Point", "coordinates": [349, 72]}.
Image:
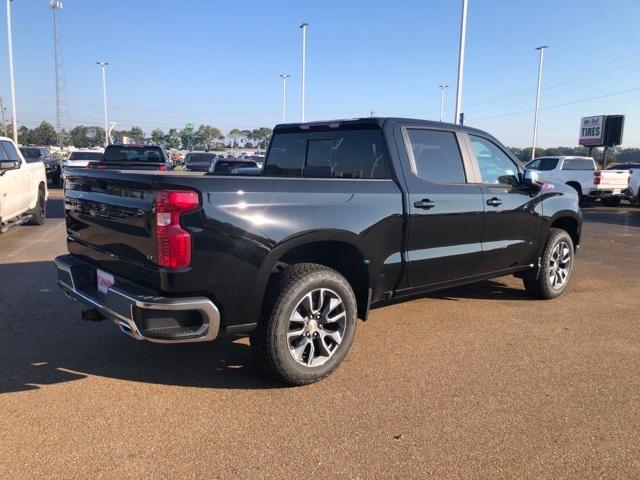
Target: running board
{"type": "Point", "coordinates": [14, 223]}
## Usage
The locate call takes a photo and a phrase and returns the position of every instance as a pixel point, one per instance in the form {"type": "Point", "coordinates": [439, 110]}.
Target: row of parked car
{"type": "Point", "coordinates": [617, 182]}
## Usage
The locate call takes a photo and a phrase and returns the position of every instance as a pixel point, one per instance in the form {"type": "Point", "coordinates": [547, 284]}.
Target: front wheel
{"type": "Point", "coordinates": [308, 324]}
{"type": "Point", "coordinates": [555, 269]}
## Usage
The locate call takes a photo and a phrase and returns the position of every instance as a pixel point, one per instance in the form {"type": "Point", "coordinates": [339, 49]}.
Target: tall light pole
{"type": "Point", "coordinates": [14, 120]}
{"type": "Point", "coordinates": [284, 77]}
{"type": "Point", "coordinates": [4, 122]}
{"type": "Point", "coordinates": [103, 65]}
{"type": "Point", "coordinates": [463, 39]}
{"type": "Point", "coordinates": [442, 87]}
{"type": "Point", "coordinates": [535, 118]}
{"type": "Point", "coordinates": [304, 65]}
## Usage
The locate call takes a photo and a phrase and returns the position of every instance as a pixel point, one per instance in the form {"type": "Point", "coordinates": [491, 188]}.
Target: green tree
{"type": "Point", "coordinates": [261, 136]}
{"type": "Point", "coordinates": [157, 136]}
{"type": "Point", "coordinates": [78, 137]}
{"type": "Point", "coordinates": [24, 134]}
{"type": "Point", "coordinates": [235, 135]}
{"type": "Point", "coordinates": [44, 134]}
{"type": "Point", "coordinates": [207, 135]}
{"type": "Point", "coordinates": [173, 138]}
{"type": "Point", "coordinates": [136, 134]}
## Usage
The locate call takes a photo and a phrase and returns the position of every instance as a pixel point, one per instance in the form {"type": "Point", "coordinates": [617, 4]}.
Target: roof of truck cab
{"type": "Point", "coordinates": [374, 122]}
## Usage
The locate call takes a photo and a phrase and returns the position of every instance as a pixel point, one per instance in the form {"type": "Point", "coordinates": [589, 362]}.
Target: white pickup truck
{"type": "Point", "coordinates": [583, 175]}
{"type": "Point", "coordinates": [633, 191]}
{"type": "Point", "coordinates": [23, 188]}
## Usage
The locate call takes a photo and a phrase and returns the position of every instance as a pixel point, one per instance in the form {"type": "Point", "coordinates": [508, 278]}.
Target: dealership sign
{"type": "Point", "coordinates": [592, 131]}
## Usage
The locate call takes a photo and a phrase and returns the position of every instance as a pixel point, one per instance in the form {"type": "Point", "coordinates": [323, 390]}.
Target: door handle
{"type": "Point", "coordinates": [494, 202]}
{"type": "Point", "coordinates": [424, 203]}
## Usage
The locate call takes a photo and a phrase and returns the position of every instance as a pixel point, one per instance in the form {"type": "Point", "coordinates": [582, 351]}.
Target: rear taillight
{"type": "Point", "coordinates": [96, 165]}
{"type": "Point", "coordinates": [173, 243]}
{"type": "Point", "coordinates": [597, 176]}
{"type": "Point", "coordinates": [163, 168]}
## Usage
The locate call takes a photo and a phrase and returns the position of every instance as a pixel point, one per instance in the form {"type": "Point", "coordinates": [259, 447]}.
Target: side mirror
{"type": "Point", "coordinates": [9, 164]}
{"type": "Point", "coordinates": [532, 178]}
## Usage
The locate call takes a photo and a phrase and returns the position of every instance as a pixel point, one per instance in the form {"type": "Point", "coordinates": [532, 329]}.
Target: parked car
{"type": "Point", "coordinates": [199, 161]}
{"type": "Point", "coordinates": [347, 216]}
{"type": "Point", "coordinates": [632, 193]}
{"type": "Point", "coordinates": [42, 154]}
{"type": "Point", "coordinates": [82, 158]}
{"type": "Point", "coordinates": [581, 173]}
{"type": "Point", "coordinates": [259, 159]}
{"type": "Point", "coordinates": [23, 188]}
{"type": "Point", "coordinates": [133, 157]}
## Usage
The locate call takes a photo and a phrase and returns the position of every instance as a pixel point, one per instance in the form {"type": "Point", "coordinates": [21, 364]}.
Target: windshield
{"type": "Point", "coordinates": [128, 153]}
{"type": "Point", "coordinates": [30, 152]}
{"type": "Point", "coordinates": [95, 156]}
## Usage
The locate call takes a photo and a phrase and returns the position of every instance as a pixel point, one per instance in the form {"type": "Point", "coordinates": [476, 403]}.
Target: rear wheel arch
{"type": "Point", "coordinates": [340, 255]}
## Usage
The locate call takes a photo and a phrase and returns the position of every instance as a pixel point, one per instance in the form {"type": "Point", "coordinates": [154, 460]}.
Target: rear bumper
{"type": "Point", "coordinates": [137, 311]}
{"type": "Point", "coordinates": [616, 192]}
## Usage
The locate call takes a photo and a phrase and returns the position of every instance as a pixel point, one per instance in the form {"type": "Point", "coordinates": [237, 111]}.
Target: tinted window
{"type": "Point", "coordinates": [226, 166]}
{"type": "Point", "coordinates": [624, 166]}
{"type": "Point", "coordinates": [337, 154]}
{"type": "Point", "coordinates": [95, 156]}
{"type": "Point", "coordinates": [132, 154]}
{"type": "Point", "coordinates": [578, 164]}
{"type": "Point", "coordinates": [30, 153]}
{"type": "Point", "coordinates": [3, 156]}
{"type": "Point", "coordinates": [543, 164]}
{"type": "Point", "coordinates": [436, 156]}
{"type": "Point", "coordinates": [495, 166]}
{"type": "Point", "coordinates": [10, 151]}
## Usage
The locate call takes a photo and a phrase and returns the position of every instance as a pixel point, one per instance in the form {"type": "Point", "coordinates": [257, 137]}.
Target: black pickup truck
{"type": "Point", "coordinates": [345, 216]}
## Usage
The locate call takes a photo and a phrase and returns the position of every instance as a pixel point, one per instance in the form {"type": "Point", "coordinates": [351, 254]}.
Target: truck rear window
{"type": "Point", "coordinates": [95, 156]}
{"type": "Point", "coordinates": [132, 154]}
{"type": "Point", "coordinates": [328, 154]}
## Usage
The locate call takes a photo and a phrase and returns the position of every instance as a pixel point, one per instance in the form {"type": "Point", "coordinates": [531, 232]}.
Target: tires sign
{"type": "Point", "coordinates": [592, 131]}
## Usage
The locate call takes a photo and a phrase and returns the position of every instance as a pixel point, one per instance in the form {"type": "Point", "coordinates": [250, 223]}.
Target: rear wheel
{"type": "Point", "coordinates": [39, 213]}
{"type": "Point", "coordinates": [308, 324]}
{"type": "Point", "coordinates": [555, 269]}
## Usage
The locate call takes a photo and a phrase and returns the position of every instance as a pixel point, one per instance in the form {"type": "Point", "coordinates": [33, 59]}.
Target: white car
{"type": "Point", "coordinates": [82, 158]}
{"type": "Point", "coordinates": [23, 188]}
{"type": "Point", "coordinates": [583, 175]}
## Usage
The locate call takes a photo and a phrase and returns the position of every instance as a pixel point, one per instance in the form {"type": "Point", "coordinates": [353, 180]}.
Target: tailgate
{"type": "Point", "coordinates": [112, 215]}
{"type": "Point", "coordinates": [613, 179]}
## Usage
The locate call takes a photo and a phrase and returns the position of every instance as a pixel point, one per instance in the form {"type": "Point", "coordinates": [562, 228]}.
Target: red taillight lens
{"type": "Point", "coordinates": [163, 168]}
{"type": "Point", "coordinates": [596, 178]}
{"type": "Point", "coordinates": [173, 243]}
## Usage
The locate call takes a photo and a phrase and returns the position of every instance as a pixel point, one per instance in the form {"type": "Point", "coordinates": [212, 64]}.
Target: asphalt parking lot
{"type": "Point", "coordinates": [476, 382]}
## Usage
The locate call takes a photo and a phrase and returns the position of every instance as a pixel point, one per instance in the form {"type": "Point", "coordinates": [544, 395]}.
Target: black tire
{"type": "Point", "coordinates": [270, 340]}
{"type": "Point", "coordinates": [542, 285]}
{"type": "Point", "coordinates": [39, 213]}
{"type": "Point", "coordinates": [611, 201]}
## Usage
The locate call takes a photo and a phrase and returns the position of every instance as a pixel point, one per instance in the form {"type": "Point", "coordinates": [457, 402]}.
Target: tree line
{"type": "Point", "coordinates": [205, 137]}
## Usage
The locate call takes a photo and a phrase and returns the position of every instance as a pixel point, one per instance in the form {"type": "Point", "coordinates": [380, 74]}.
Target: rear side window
{"type": "Point", "coordinates": [578, 164]}
{"type": "Point", "coordinates": [332, 154]}
{"type": "Point", "coordinates": [436, 156]}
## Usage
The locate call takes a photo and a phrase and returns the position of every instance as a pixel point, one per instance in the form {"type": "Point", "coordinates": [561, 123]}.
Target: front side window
{"type": "Point", "coordinates": [333, 154]}
{"type": "Point", "coordinates": [495, 166]}
{"type": "Point", "coordinates": [436, 156]}
{"type": "Point", "coordinates": [578, 164]}
{"type": "Point", "coordinates": [10, 151]}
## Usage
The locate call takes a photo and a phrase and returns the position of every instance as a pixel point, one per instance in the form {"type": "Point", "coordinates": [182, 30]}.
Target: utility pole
{"type": "Point", "coordinates": [442, 87]}
{"type": "Point", "coordinates": [12, 83]}
{"type": "Point", "coordinates": [304, 64]}
{"type": "Point", "coordinates": [103, 65]}
{"type": "Point", "coordinates": [463, 39]}
{"type": "Point", "coordinates": [4, 122]}
{"type": "Point", "coordinates": [61, 85]}
{"type": "Point", "coordinates": [284, 77]}
{"type": "Point", "coordinates": [535, 118]}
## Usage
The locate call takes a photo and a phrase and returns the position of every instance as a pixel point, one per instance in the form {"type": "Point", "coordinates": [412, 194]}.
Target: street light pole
{"type": "Point", "coordinates": [103, 65]}
{"type": "Point", "coordinates": [284, 77]}
{"type": "Point", "coordinates": [535, 118]}
{"type": "Point", "coordinates": [14, 120]}
{"type": "Point", "coordinates": [442, 87]}
{"type": "Point", "coordinates": [4, 122]}
{"type": "Point", "coordinates": [304, 64]}
{"type": "Point", "coordinates": [463, 39]}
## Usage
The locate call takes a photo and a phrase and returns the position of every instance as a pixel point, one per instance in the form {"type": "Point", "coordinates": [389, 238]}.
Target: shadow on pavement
{"type": "Point", "coordinates": [624, 216]}
{"type": "Point", "coordinates": [43, 341]}
{"type": "Point", "coordinates": [487, 290]}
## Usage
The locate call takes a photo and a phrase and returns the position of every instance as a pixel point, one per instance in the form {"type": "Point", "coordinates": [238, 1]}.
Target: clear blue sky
{"type": "Point", "coordinates": [218, 62]}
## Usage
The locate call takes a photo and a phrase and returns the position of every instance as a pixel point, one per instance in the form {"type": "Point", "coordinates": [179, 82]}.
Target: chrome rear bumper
{"type": "Point", "coordinates": [130, 306]}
